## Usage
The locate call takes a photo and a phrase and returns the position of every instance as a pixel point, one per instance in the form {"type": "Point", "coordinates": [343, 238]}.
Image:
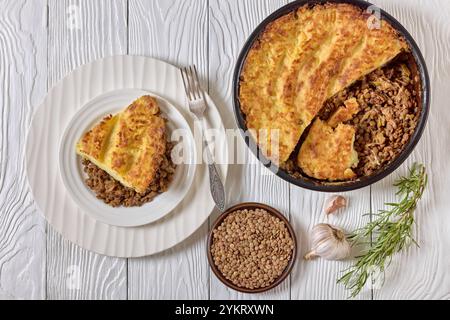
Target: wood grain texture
{"type": "Point", "coordinates": [23, 74]}
{"type": "Point", "coordinates": [316, 279]}
{"type": "Point", "coordinates": [36, 263]}
{"type": "Point", "coordinates": [422, 273]}
{"type": "Point", "coordinates": [176, 32]}
{"type": "Point", "coordinates": [79, 32]}
{"type": "Point", "coordinates": [231, 22]}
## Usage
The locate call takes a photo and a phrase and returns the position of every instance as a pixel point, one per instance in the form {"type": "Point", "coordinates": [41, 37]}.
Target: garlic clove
{"type": "Point", "coordinates": [335, 203]}
{"type": "Point", "coordinates": [329, 243]}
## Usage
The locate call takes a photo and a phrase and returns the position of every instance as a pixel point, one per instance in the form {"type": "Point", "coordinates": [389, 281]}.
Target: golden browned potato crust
{"type": "Point", "coordinates": [344, 113]}
{"type": "Point", "coordinates": [302, 59]}
{"type": "Point", "coordinates": [327, 153]}
{"type": "Point", "coordinates": [130, 145]}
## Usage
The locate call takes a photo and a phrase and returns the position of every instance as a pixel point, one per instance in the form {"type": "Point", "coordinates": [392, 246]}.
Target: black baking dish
{"type": "Point", "coordinates": [364, 181]}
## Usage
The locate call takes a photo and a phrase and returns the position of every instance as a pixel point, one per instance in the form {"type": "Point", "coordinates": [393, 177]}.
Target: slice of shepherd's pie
{"type": "Point", "coordinates": [130, 145]}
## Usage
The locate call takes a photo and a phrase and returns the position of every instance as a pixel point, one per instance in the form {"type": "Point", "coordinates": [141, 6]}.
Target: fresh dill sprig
{"type": "Point", "coordinates": [392, 231]}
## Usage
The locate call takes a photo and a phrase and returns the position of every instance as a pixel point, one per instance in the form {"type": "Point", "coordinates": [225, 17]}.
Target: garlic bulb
{"type": "Point", "coordinates": [329, 243]}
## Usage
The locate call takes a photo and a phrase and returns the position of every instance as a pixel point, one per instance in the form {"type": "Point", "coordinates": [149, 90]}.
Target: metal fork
{"type": "Point", "coordinates": [197, 105]}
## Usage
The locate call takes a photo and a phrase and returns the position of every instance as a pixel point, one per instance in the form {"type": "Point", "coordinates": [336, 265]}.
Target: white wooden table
{"type": "Point", "coordinates": [41, 41]}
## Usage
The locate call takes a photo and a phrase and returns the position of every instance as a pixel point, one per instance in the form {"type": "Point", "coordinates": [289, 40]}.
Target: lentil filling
{"type": "Point", "coordinates": [387, 118]}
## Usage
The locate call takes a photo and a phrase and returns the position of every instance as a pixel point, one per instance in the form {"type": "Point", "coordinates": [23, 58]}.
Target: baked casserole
{"type": "Point", "coordinates": [299, 63]}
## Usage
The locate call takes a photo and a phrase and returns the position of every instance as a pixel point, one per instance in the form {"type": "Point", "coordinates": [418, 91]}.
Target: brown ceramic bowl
{"type": "Point", "coordinates": [248, 206]}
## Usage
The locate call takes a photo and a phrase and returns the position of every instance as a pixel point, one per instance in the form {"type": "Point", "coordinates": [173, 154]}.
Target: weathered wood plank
{"type": "Point", "coordinates": [23, 74]}
{"type": "Point", "coordinates": [80, 32]}
{"type": "Point", "coordinates": [422, 273]}
{"type": "Point", "coordinates": [317, 279]}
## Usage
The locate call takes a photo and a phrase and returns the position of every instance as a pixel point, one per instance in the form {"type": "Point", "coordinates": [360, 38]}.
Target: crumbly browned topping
{"type": "Point", "coordinates": [251, 248]}
{"type": "Point", "coordinates": [112, 192]}
{"type": "Point", "coordinates": [388, 116]}
{"type": "Point", "coordinates": [130, 144]}
{"type": "Point", "coordinates": [303, 58]}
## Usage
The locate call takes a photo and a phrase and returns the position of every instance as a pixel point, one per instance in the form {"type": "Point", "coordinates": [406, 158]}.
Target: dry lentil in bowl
{"type": "Point", "coordinates": [113, 193]}
{"type": "Point", "coordinates": [252, 248]}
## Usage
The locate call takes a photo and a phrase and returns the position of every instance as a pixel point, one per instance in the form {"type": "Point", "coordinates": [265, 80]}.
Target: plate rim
{"type": "Point", "coordinates": [107, 250]}
{"type": "Point", "coordinates": [191, 170]}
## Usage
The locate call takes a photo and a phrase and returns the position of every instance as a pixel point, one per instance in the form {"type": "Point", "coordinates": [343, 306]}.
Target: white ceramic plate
{"type": "Point", "coordinates": [72, 174]}
{"type": "Point", "coordinates": [42, 158]}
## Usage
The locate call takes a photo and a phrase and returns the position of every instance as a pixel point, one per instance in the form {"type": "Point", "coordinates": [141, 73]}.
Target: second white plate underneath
{"type": "Point", "coordinates": [73, 176]}
{"type": "Point", "coordinates": [43, 150]}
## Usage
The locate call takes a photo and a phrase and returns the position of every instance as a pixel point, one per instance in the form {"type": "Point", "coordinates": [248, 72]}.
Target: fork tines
{"type": "Point", "coordinates": [191, 83]}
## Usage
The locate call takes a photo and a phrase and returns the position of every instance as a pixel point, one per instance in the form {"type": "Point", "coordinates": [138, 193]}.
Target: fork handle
{"type": "Point", "coordinates": [215, 183]}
